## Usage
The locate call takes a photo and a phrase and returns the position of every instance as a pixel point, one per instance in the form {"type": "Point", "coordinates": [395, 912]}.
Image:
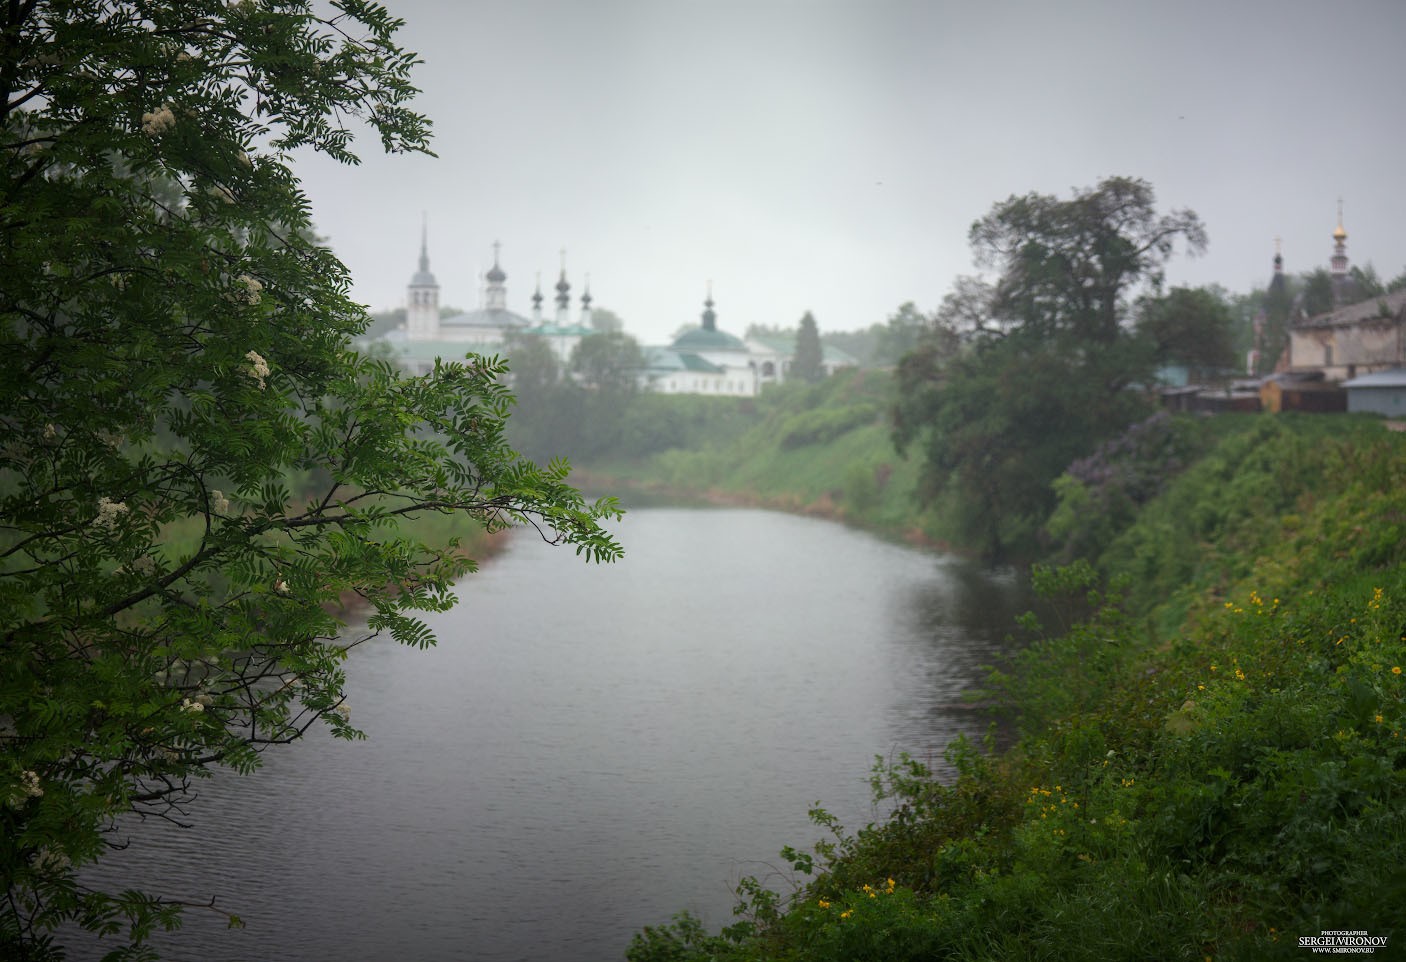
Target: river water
{"type": "Point", "coordinates": [589, 749]}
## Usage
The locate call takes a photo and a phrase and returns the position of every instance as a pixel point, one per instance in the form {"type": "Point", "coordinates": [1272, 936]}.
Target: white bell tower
{"type": "Point", "coordinates": [422, 296]}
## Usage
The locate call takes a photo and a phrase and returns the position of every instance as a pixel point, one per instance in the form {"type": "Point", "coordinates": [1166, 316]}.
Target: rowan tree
{"type": "Point", "coordinates": [197, 470]}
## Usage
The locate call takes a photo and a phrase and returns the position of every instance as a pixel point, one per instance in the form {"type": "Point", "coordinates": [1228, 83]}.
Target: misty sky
{"type": "Point", "coordinates": [830, 155]}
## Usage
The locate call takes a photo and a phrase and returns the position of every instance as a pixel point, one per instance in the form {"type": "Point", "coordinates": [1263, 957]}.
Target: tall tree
{"type": "Point", "coordinates": [904, 331]}
{"type": "Point", "coordinates": [808, 362]}
{"type": "Point", "coordinates": [1191, 326]}
{"type": "Point", "coordinates": [196, 467]}
{"type": "Point", "coordinates": [606, 321]}
{"type": "Point", "coordinates": [609, 363]}
{"type": "Point", "coordinates": [606, 368]}
{"type": "Point", "coordinates": [1047, 358]}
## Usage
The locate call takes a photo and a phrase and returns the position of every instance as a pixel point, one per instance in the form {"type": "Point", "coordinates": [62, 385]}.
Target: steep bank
{"type": "Point", "coordinates": [1212, 762]}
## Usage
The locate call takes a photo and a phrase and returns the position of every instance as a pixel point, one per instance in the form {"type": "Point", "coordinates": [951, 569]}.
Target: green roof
{"type": "Point", "coordinates": [692, 362]}
{"type": "Point", "coordinates": [700, 339]}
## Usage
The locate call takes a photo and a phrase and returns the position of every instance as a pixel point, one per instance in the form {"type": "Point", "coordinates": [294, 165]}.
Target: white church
{"type": "Point", "coordinates": [701, 360]}
{"type": "Point", "coordinates": [487, 328]}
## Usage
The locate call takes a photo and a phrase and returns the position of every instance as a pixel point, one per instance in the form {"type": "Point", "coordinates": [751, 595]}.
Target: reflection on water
{"type": "Point", "coordinates": [589, 749]}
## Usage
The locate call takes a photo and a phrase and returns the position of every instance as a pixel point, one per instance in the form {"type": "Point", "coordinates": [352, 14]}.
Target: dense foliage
{"type": "Point", "coordinates": [1021, 376]}
{"type": "Point", "coordinates": [196, 470]}
{"type": "Point", "coordinates": [1210, 766]}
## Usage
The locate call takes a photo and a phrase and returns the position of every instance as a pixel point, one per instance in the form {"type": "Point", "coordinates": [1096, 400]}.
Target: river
{"type": "Point", "coordinates": [589, 749]}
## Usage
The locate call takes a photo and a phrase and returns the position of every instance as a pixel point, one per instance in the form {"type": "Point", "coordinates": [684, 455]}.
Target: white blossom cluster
{"type": "Point", "coordinates": [157, 122]}
{"type": "Point", "coordinates": [253, 289]}
{"type": "Point", "coordinates": [50, 860]}
{"type": "Point", "coordinates": [109, 512]}
{"type": "Point", "coordinates": [29, 788]}
{"type": "Point", "coordinates": [258, 367]}
{"type": "Point", "coordinates": [218, 501]}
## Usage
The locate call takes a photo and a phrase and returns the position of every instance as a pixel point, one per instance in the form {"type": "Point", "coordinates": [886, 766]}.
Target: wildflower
{"type": "Point", "coordinates": [109, 512]}
{"type": "Point", "coordinates": [258, 368]}
{"type": "Point", "coordinates": [280, 586]}
{"type": "Point", "coordinates": [157, 122]}
{"type": "Point", "coordinates": [1239, 674]}
{"type": "Point", "coordinates": [143, 566]}
{"type": "Point", "coordinates": [218, 501]}
{"type": "Point", "coordinates": [29, 784]}
{"type": "Point", "coordinates": [846, 913]}
{"type": "Point", "coordinates": [1377, 719]}
{"type": "Point", "coordinates": [823, 904]}
{"type": "Point", "coordinates": [192, 706]}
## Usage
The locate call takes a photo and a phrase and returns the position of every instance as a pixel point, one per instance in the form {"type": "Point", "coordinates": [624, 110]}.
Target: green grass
{"type": "Point", "coordinates": [823, 449]}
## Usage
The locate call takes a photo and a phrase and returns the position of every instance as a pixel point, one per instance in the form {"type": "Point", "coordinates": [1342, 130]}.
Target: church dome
{"type": "Point", "coordinates": [702, 339]}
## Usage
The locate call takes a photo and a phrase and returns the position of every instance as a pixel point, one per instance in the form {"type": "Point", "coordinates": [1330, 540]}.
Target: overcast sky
{"type": "Point", "coordinates": [830, 155]}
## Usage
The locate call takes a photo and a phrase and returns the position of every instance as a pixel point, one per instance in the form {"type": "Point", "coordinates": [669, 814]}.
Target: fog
{"type": "Point", "coordinates": [830, 155]}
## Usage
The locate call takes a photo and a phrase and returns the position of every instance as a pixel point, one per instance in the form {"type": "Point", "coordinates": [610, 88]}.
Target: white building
{"type": "Point", "coordinates": [706, 360]}
{"type": "Point", "coordinates": [702, 360]}
{"type": "Point", "coordinates": [487, 328]}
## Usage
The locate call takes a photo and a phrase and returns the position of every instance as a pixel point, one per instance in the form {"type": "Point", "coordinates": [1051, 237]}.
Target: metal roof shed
{"type": "Point", "coordinates": [1382, 392]}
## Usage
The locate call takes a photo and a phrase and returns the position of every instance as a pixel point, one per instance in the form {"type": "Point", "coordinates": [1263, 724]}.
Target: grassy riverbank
{"type": "Point", "coordinates": [822, 449]}
{"type": "Point", "coordinates": [1212, 762]}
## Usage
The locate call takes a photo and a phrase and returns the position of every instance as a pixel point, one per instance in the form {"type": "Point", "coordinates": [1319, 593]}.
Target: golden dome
{"type": "Point", "coordinates": [1339, 233]}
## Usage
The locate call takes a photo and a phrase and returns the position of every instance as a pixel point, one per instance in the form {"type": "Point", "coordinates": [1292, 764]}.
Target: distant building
{"type": "Point", "coordinates": [487, 328]}
{"type": "Point", "coordinates": [1361, 338]}
{"type": "Point", "coordinates": [707, 360]}
{"type": "Point", "coordinates": [702, 360]}
{"type": "Point", "coordinates": [1357, 336]}
{"type": "Point", "coordinates": [1382, 392]}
